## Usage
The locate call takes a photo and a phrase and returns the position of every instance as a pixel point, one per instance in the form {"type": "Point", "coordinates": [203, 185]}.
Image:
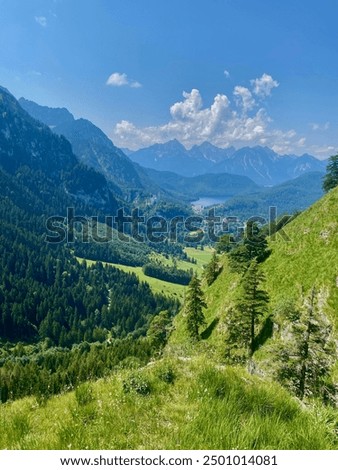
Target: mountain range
{"type": "Point", "coordinates": [95, 150]}
{"type": "Point", "coordinates": [45, 163]}
{"type": "Point", "coordinates": [66, 321]}
{"type": "Point", "coordinates": [171, 172]}
{"type": "Point", "coordinates": [261, 164]}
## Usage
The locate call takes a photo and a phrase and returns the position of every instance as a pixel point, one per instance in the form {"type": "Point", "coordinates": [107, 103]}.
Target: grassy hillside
{"type": "Point", "coordinates": [156, 285]}
{"type": "Point", "coordinates": [309, 257]}
{"type": "Point", "coordinates": [163, 287]}
{"type": "Point", "coordinates": [199, 401]}
{"type": "Point", "coordinates": [198, 406]}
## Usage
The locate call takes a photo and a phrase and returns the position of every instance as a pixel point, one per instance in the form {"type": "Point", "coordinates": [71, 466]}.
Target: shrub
{"type": "Point", "coordinates": [167, 374]}
{"type": "Point", "coordinates": [136, 383]}
{"type": "Point", "coordinates": [84, 394]}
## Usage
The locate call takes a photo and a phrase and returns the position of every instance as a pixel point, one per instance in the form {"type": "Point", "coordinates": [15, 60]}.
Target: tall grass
{"type": "Point", "coordinates": [190, 405]}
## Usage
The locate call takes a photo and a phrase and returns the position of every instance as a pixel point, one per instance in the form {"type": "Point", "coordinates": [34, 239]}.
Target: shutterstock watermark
{"type": "Point", "coordinates": [125, 227]}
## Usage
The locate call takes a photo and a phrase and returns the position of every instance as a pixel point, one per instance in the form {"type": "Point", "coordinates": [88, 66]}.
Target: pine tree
{"type": "Point", "coordinates": [212, 270]}
{"type": "Point", "coordinates": [194, 308]}
{"type": "Point", "coordinates": [225, 244]}
{"type": "Point", "coordinates": [331, 177]}
{"type": "Point", "coordinates": [306, 352]}
{"type": "Point", "coordinates": [250, 306]}
{"type": "Point", "coordinates": [159, 330]}
{"type": "Point", "coordinates": [254, 247]}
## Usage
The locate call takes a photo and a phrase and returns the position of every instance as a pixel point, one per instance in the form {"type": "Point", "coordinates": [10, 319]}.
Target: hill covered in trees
{"type": "Point", "coordinates": [216, 378]}
{"type": "Point", "coordinates": [91, 345]}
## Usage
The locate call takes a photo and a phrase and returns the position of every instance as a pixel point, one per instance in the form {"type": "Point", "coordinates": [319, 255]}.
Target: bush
{"type": "Point", "coordinates": [167, 375]}
{"type": "Point", "coordinates": [137, 383]}
{"type": "Point", "coordinates": [84, 394]}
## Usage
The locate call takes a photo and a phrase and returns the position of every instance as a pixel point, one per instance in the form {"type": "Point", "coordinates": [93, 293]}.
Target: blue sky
{"type": "Point", "coordinates": [233, 72]}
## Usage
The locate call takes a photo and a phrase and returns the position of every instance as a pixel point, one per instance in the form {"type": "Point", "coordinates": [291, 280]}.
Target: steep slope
{"type": "Point", "coordinates": [266, 167]}
{"type": "Point", "coordinates": [94, 149]}
{"type": "Point", "coordinates": [29, 149]}
{"type": "Point", "coordinates": [209, 152]}
{"type": "Point", "coordinates": [45, 294]}
{"type": "Point", "coordinates": [172, 404]}
{"type": "Point", "coordinates": [304, 254]}
{"type": "Point", "coordinates": [308, 257]}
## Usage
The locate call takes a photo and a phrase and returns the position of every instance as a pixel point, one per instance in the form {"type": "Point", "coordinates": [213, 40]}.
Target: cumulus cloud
{"type": "Point", "coordinates": [263, 86]}
{"type": "Point", "coordinates": [121, 79]}
{"type": "Point", "coordinates": [227, 73]}
{"type": "Point", "coordinates": [239, 122]}
{"type": "Point", "coordinates": [244, 97]}
{"type": "Point", "coordinates": [41, 20]}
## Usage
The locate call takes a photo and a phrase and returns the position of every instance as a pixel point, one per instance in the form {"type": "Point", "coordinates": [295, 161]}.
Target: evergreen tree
{"type": "Point", "coordinates": [194, 308]}
{"type": "Point", "coordinates": [331, 177]}
{"type": "Point", "coordinates": [212, 269]}
{"type": "Point", "coordinates": [160, 329]}
{"type": "Point", "coordinates": [243, 319]}
{"type": "Point", "coordinates": [255, 242]}
{"type": "Point", "coordinates": [225, 244]}
{"type": "Point", "coordinates": [306, 351]}
{"type": "Point", "coordinates": [253, 247]}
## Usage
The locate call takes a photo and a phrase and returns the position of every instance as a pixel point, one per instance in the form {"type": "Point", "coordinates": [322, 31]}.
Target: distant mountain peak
{"type": "Point", "coordinates": [52, 117]}
{"type": "Point", "coordinates": [4, 90]}
{"type": "Point", "coordinates": [173, 144]}
{"type": "Point", "coordinates": [94, 149]}
{"type": "Point", "coordinates": [260, 163]}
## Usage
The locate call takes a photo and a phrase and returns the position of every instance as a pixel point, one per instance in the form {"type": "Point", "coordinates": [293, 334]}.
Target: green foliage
{"type": "Point", "coordinates": [84, 394]}
{"type": "Point", "coordinates": [306, 351]}
{"type": "Point", "coordinates": [159, 330]}
{"type": "Point", "coordinates": [292, 196]}
{"type": "Point", "coordinates": [306, 257]}
{"type": "Point", "coordinates": [136, 382]}
{"type": "Point", "coordinates": [242, 321]}
{"type": "Point", "coordinates": [331, 178]}
{"type": "Point", "coordinates": [225, 243]}
{"type": "Point", "coordinates": [212, 270]}
{"type": "Point", "coordinates": [168, 273]}
{"type": "Point", "coordinates": [233, 409]}
{"type": "Point", "coordinates": [167, 374]}
{"type": "Point", "coordinates": [211, 185]}
{"type": "Point", "coordinates": [253, 247]}
{"type": "Point", "coordinates": [46, 372]}
{"type": "Point", "coordinates": [194, 305]}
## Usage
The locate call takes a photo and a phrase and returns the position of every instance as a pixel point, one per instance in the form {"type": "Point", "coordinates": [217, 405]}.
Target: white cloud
{"type": "Point", "coordinates": [227, 73]}
{"type": "Point", "coordinates": [244, 97]}
{"type": "Point", "coordinates": [322, 151]}
{"type": "Point", "coordinates": [319, 127]}
{"type": "Point", "coordinates": [121, 79]}
{"type": "Point", "coordinates": [41, 20]}
{"type": "Point", "coordinates": [135, 84]}
{"type": "Point", "coordinates": [239, 122]}
{"type": "Point", "coordinates": [262, 86]}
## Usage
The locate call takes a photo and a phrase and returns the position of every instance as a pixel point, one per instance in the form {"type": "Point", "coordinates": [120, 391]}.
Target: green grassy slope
{"type": "Point", "coordinates": [206, 407]}
{"type": "Point", "coordinates": [309, 257]}
{"type": "Point", "coordinates": [209, 405]}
